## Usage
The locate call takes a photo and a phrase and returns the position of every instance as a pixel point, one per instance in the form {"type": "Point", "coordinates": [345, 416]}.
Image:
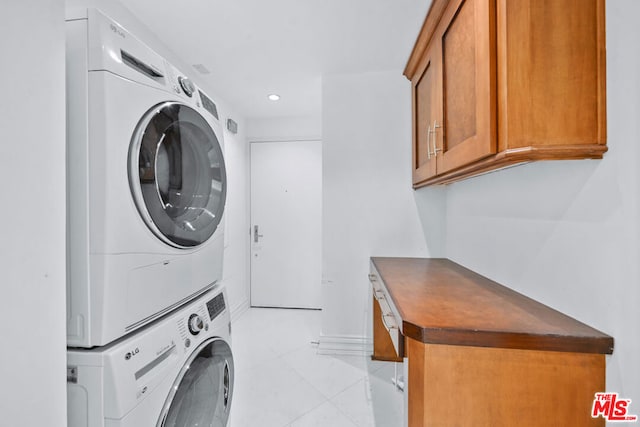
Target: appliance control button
{"type": "Point", "coordinates": [195, 324]}
{"type": "Point", "coordinates": [187, 86]}
{"type": "Point", "coordinates": [187, 343]}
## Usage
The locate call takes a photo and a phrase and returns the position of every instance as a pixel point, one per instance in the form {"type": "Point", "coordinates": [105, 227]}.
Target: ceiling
{"type": "Point", "coordinates": [253, 48]}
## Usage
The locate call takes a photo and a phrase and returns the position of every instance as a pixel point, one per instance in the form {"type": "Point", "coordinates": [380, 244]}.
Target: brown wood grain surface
{"type": "Point", "coordinates": [495, 387]}
{"type": "Point", "coordinates": [551, 70]}
{"type": "Point", "coordinates": [468, 82]}
{"type": "Point", "coordinates": [442, 302]}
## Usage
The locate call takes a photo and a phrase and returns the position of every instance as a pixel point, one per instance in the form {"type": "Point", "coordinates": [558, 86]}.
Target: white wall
{"type": "Point", "coordinates": [236, 253]}
{"type": "Point", "coordinates": [300, 128]}
{"type": "Point", "coordinates": [236, 260]}
{"type": "Point", "coordinates": [32, 172]}
{"type": "Point", "coordinates": [567, 233]}
{"type": "Point", "coordinates": [369, 208]}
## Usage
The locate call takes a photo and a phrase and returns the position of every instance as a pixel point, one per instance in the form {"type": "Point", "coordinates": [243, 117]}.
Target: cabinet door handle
{"type": "Point", "coordinates": [428, 146]}
{"type": "Point", "coordinates": [435, 149]}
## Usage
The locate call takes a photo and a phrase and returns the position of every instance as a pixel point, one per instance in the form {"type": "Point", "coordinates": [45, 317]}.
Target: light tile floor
{"type": "Point", "coordinates": [281, 381]}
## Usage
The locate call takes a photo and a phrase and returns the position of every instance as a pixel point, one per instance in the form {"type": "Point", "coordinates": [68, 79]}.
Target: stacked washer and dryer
{"type": "Point", "coordinates": [148, 325]}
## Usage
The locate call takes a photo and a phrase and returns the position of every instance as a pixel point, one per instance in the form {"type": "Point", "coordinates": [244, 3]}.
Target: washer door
{"type": "Point", "coordinates": [201, 395]}
{"type": "Point", "coordinates": [177, 175]}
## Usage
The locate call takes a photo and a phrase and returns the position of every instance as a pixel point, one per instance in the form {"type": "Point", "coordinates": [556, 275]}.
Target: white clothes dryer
{"type": "Point", "coordinates": [146, 184]}
{"type": "Point", "coordinates": [177, 371]}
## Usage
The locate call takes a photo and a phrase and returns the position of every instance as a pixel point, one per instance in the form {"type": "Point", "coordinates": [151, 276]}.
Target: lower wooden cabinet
{"type": "Point", "coordinates": [480, 354]}
{"type": "Point", "coordinates": [493, 387]}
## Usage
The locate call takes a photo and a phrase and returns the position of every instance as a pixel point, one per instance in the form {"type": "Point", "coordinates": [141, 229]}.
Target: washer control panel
{"type": "Point", "coordinates": [195, 324]}
{"type": "Point", "coordinates": [200, 317]}
{"type": "Point", "coordinates": [192, 324]}
{"type": "Point", "coordinates": [216, 306]}
{"type": "Point", "coordinates": [187, 86]}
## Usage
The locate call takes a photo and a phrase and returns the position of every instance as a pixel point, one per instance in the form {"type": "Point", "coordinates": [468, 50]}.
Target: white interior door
{"type": "Point", "coordinates": [286, 220]}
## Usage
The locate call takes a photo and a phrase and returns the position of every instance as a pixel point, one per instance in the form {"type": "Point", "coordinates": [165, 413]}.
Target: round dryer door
{"type": "Point", "coordinates": [177, 174]}
{"type": "Point", "coordinates": [201, 395]}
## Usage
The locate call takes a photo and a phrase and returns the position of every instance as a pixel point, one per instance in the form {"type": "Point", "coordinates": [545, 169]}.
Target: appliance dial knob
{"type": "Point", "coordinates": [187, 86]}
{"type": "Point", "coordinates": [195, 324]}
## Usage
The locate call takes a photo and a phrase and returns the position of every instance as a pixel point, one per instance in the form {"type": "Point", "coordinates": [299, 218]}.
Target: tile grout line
{"type": "Point", "coordinates": [330, 399]}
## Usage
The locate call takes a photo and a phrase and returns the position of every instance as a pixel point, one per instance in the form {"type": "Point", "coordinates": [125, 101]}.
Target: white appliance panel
{"type": "Point", "coordinates": [128, 383]}
{"type": "Point", "coordinates": [112, 48]}
{"type": "Point", "coordinates": [120, 275]}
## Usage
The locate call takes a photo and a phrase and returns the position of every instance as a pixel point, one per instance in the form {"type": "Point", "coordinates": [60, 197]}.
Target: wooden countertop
{"type": "Point", "coordinates": [441, 302]}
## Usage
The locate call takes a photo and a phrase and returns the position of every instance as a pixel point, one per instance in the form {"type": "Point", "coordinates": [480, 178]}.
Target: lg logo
{"type": "Point", "coordinates": [117, 31]}
{"type": "Point", "coordinates": [132, 353]}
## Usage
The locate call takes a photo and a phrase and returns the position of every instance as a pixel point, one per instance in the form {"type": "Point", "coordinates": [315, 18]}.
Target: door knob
{"type": "Point", "coordinates": [256, 235]}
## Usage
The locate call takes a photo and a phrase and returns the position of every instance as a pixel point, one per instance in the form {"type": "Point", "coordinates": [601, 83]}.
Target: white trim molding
{"type": "Point", "coordinates": [346, 345]}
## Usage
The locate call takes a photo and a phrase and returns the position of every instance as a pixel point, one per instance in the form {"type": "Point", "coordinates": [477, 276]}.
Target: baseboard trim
{"type": "Point", "coordinates": [345, 345]}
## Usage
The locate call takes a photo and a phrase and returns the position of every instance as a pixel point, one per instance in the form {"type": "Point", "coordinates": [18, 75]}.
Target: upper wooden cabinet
{"type": "Point", "coordinates": [501, 82]}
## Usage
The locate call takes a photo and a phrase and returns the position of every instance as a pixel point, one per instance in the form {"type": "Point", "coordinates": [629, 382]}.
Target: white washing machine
{"type": "Point", "coordinates": [146, 184]}
{"type": "Point", "coordinates": [177, 371]}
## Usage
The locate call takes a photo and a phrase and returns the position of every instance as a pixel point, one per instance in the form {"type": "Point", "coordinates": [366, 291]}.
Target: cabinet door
{"type": "Point", "coordinates": [466, 127]}
{"type": "Point", "coordinates": [552, 82]}
{"type": "Point", "coordinates": [426, 109]}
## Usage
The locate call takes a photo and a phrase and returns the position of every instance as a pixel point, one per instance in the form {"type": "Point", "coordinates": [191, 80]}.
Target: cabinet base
{"type": "Point", "coordinates": [516, 156]}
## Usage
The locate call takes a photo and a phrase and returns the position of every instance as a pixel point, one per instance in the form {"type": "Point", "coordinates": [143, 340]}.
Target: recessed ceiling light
{"type": "Point", "coordinates": [274, 97]}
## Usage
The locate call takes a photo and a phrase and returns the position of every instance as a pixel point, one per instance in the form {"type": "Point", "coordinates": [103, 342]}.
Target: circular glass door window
{"type": "Point", "coordinates": [177, 175]}
{"type": "Point", "coordinates": [201, 395]}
